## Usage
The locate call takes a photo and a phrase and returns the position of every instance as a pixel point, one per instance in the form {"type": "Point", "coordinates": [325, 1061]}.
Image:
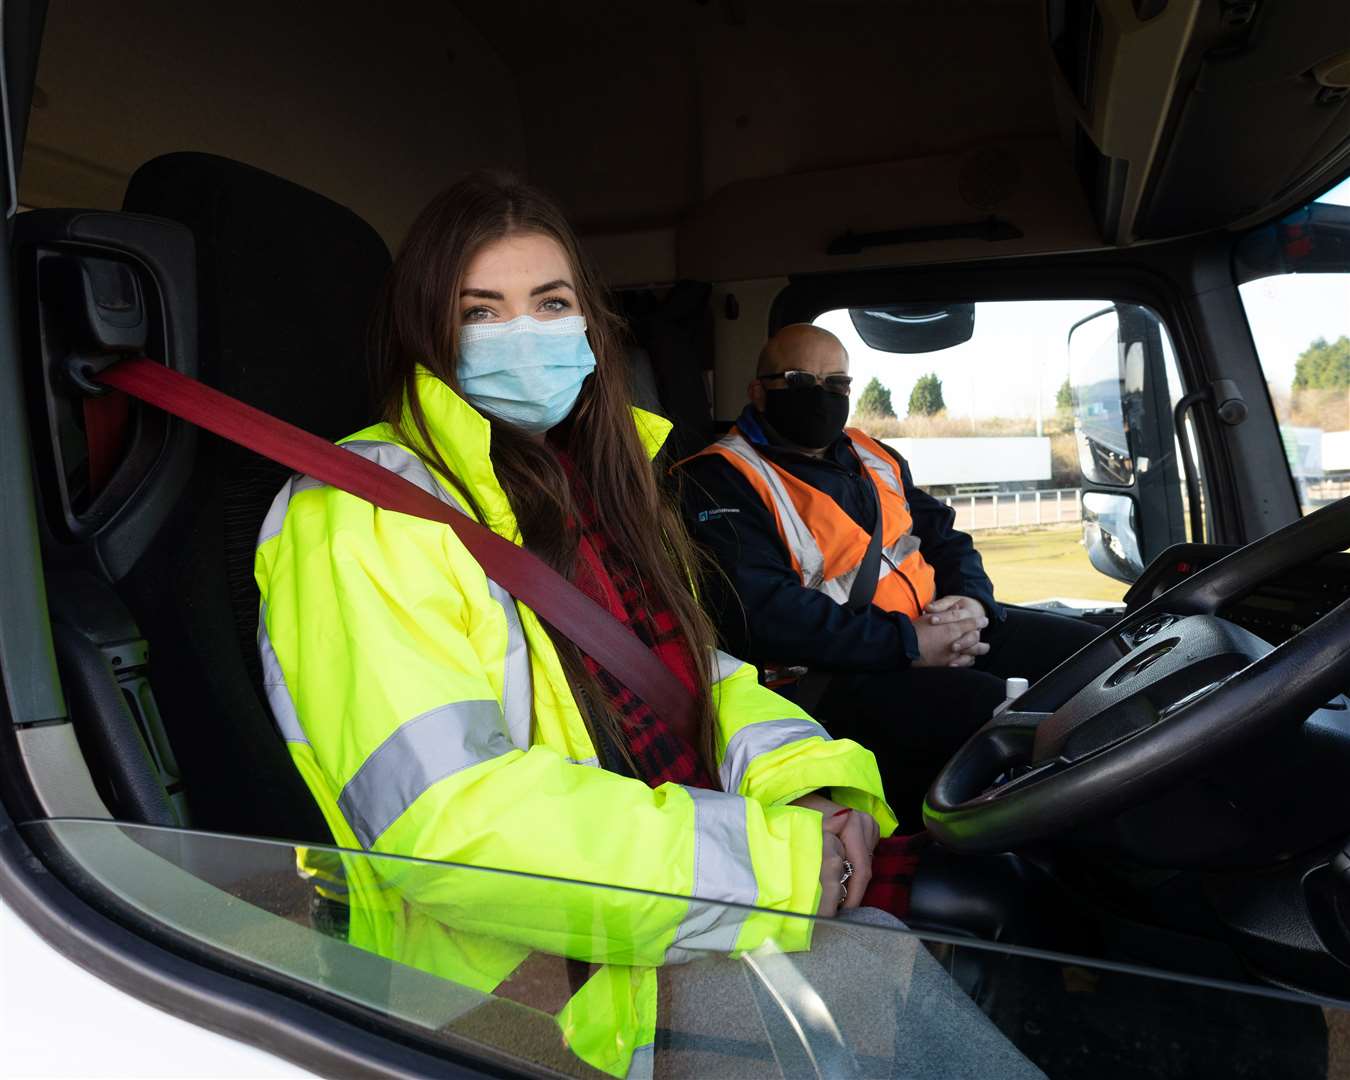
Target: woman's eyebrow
{"type": "Point", "coordinates": [482, 294]}
{"type": "Point", "coordinates": [549, 286]}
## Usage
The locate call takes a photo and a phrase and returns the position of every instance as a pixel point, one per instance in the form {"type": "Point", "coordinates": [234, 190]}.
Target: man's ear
{"type": "Point", "coordinates": [756, 392]}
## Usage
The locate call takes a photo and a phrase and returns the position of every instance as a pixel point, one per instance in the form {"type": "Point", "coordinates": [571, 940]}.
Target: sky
{"type": "Point", "coordinates": [989, 374]}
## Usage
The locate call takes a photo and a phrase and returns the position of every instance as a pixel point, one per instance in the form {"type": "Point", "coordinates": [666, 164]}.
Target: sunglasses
{"type": "Point", "coordinates": [804, 380]}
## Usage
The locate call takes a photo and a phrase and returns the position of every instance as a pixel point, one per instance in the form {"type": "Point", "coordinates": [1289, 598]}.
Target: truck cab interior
{"type": "Point", "coordinates": [220, 187]}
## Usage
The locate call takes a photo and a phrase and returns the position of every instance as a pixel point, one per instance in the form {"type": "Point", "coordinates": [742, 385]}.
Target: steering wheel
{"type": "Point", "coordinates": [1153, 701]}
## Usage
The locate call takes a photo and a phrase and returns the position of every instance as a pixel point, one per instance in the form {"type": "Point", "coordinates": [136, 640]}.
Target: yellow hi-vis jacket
{"type": "Point", "coordinates": [430, 716]}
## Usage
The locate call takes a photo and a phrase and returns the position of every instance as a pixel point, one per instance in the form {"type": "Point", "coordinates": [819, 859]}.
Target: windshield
{"type": "Point", "coordinates": [288, 915]}
{"type": "Point", "coordinates": [1300, 324]}
{"type": "Point", "coordinates": [1017, 417]}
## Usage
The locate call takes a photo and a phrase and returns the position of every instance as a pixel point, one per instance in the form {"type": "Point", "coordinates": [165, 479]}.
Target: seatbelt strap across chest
{"type": "Point", "coordinates": [864, 586]}
{"type": "Point", "coordinates": [524, 575]}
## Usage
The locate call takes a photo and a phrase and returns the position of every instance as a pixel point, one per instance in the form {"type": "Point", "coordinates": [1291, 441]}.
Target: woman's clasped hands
{"type": "Point", "coordinates": [849, 838]}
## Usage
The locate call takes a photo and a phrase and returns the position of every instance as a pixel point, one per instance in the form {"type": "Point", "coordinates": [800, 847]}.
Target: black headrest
{"type": "Point", "coordinates": [286, 283]}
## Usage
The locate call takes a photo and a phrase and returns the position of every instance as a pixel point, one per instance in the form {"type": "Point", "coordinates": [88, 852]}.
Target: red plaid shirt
{"type": "Point", "coordinates": [614, 583]}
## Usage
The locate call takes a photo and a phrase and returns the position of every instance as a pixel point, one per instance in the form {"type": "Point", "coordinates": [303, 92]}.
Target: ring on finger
{"type": "Point", "coordinates": [848, 872]}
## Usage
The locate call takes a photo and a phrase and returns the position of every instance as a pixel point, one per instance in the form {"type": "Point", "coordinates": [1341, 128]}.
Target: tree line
{"type": "Point", "coordinates": [1323, 365]}
{"type": "Point", "coordinates": [924, 400]}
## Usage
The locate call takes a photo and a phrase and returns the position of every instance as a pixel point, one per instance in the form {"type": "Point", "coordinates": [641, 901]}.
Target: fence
{"type": "Point", "coordinates": [1324, 491]}
{"type": "Point", "coordinates": [1010, 509]}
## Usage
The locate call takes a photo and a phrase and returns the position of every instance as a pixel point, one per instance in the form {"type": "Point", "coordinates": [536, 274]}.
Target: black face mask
{"type": "Point", "coordinates": [812, 417]}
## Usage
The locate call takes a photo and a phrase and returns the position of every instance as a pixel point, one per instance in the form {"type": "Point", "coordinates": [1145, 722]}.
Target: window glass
{"type": "Point", "coordinates": [289, 915]}
{"type": "Point", "coordinates": [1301, 326]}
{"type": "Point", "coordinates": [1013, 416]}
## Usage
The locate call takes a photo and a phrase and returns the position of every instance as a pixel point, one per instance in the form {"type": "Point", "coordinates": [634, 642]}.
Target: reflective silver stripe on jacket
{"type": "Point", "coordinates": [276, 513]}
{"type": "Point", "coordinates": [517, 690]}
{"type": "Point", "coordinates": [760, 738]}
{"type": "Point", "coordinates": [425, 750]}
{"type": "Point", "coordinates": [882, 467]}
{"type": "Point", "coordinates": [643, 1065]}
{"type": "Point", "coordinates": [274, 686]}
{"type": "Point", "coordinates": [722, 872]}
{"type": "Point", "coordinates": [800, 541]}
{"type": "Point", "coordinates": [838, 589]}
{"type": "Point", "coordinates": [724, 665]}
{"type": "Point", "coordinates": [906, 543]}
{"type": "Point", "coordinates": [905, 546]}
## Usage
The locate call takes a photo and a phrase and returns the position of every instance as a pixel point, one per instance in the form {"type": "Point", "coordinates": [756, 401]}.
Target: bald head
{"type": "Point", "coordinates": [802, 347]}
{"type": "Point", "coordinates": [804, 418]}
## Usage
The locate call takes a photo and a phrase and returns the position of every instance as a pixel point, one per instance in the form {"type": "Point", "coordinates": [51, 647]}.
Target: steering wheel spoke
{"type": "Point", "coordinates": [1022, 776]}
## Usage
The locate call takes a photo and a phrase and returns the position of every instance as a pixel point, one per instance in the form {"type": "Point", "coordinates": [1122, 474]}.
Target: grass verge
{"type": "Point", "coordinates": [1026, 565]}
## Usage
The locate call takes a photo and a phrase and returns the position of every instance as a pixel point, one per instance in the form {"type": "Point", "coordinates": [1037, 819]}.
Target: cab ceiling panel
{"type": "Point", "coordinates": [634, 113]}
{"type": "Point", "coordinates": [1012, 198]}
{"type": "Point", "coordinates": [366, 105]}
{"type": "Point", "coordinates": [840, 85]}
{"type": "Point", "coordinates": [609, 100]}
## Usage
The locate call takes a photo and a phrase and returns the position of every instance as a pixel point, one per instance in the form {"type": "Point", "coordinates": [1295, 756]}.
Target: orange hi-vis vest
{"type": "Point", "coordinates": [825, 544]}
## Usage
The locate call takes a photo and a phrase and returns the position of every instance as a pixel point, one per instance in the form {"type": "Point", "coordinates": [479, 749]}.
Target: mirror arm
{"type": "Point", "coordinates": [1188, 461]}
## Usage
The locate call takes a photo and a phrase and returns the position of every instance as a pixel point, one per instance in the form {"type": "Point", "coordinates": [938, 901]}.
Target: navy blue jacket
{"type": "Point", "coordinates": [761, 608]}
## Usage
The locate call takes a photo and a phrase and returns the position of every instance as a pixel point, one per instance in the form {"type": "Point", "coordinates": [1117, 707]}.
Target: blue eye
{"type": "Point", "coordinates": [555, 305]}
{"type": "Point", "coordinates": [477, 314]}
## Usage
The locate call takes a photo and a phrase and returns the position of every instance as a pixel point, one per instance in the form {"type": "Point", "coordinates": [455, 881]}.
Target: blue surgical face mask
{"type": "Point", "coordinates": [526, 372]}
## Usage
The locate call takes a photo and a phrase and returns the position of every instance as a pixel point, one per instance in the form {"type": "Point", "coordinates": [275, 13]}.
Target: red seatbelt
{"type": "Point", "coordinates": [525, 576]}
{"type": "Point", "coordinates": [105, 425]}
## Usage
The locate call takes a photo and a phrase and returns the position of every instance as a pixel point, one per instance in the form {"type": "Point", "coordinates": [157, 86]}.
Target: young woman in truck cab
{"type": "Point", "coordinates": [434, 717]}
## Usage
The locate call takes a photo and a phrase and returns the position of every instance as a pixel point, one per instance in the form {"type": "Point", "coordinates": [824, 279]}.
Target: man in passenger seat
{"type": "Point", "coordinates": [909, 659]}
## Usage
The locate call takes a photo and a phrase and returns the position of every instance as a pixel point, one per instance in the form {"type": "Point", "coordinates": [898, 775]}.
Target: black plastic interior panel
{"type": "Point", "coordinates": [1075, 32]}
{"type": "Point", "coordinates": [104, 665]}
{"type": "Point", "coordinates": [95, 286]}
{"type": "Point", "coordinates": [1275, 610]}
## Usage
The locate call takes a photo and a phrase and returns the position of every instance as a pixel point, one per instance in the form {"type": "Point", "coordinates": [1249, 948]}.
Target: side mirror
{"type": "Point", "coordinates": [914, 328]}
{"type": "Point", "coordinates": [1124, 432]}
{"type": "Point", "coordinates": [1096, 378]}
{"type": "Point", "coordinates": [1110, 536]}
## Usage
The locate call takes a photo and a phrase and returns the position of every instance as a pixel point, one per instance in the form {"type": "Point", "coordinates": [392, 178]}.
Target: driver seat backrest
{"type": "Point", "coordinates": [287, 280]}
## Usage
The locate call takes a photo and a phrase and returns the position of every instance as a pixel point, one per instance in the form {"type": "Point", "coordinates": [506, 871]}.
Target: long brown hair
{"type": "Point", "coordinates": [418, 322]}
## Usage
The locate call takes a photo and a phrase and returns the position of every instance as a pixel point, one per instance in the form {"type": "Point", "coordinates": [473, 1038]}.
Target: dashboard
{"type": "Point", "coordinates": [1276, 610]}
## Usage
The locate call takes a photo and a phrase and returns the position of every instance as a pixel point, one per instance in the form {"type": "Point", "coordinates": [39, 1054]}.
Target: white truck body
{"type": "Point", "coordinates": [1000, 460]}
{"type": "Point", "coordinates": [1336, 452]}
{"type": "Point", "coordinates": [58, 1020]}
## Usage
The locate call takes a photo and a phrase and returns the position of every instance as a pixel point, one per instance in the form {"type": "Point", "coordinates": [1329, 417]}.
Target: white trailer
{"type": "Point", "coordinates": [994, 461]}
{"type": "Point", "coordinates": [1336, 452]}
